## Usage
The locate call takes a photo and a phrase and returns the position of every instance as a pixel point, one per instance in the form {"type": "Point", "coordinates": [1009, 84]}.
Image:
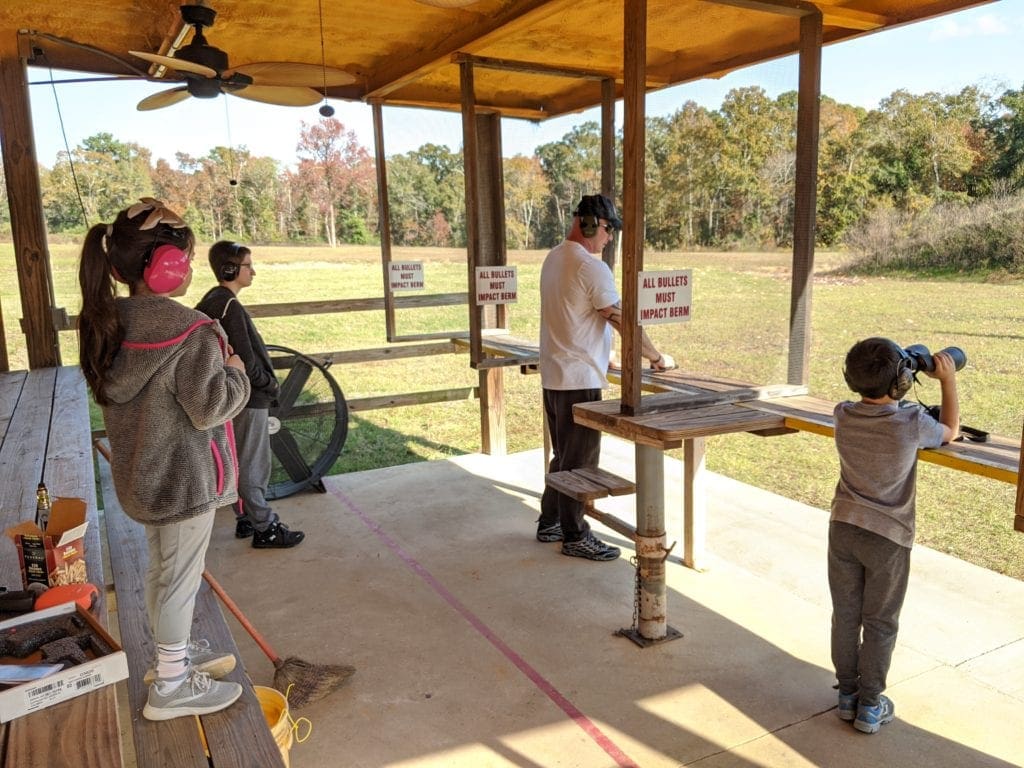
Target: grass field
{"type": "Point", "coordinates": [738, 329]}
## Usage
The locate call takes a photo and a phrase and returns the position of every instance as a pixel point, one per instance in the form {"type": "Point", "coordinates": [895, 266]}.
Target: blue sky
{"type": "Point", "coordinates": [983, 46]}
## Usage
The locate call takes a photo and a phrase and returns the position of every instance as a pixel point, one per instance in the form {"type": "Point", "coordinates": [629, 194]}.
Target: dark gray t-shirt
{"type": "Point", "coordinates": [877, 447]}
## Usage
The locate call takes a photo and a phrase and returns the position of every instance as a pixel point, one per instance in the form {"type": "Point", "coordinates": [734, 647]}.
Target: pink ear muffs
{"type": "Point", "coordinates": [167, 268]}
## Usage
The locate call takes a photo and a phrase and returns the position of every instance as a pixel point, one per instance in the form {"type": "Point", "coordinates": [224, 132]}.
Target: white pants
{"type": "Point", "coordinates": [177, 557]}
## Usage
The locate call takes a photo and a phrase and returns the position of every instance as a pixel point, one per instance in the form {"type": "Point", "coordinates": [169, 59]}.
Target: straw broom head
{"type": "Point", "coordinates": [308, 682]}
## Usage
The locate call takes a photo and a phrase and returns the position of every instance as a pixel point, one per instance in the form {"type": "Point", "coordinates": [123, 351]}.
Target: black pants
{"type": "Point", "coordinates": [572, 447]}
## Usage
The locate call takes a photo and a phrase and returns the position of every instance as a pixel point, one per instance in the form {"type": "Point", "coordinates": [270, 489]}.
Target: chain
{"type": "Point", "coordinates": [636, 593]}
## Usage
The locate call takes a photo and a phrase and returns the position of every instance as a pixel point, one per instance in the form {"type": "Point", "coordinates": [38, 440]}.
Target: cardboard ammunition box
{"type": "Point", "coordinates": [57, 555]}
{"type": "Point", "coordinates": [94, 673]}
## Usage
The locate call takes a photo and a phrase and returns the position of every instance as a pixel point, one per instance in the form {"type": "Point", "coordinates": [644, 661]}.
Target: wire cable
{"type": "Point", "coordinates": [67, 148]}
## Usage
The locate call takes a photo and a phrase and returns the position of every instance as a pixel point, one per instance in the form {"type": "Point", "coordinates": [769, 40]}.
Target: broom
{"type": "Point", "coordinates": [308, 682]}
{"type": "Point", "coordinates": [300, 681]}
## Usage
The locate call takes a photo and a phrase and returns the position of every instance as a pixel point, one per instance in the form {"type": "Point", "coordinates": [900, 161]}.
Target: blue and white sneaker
{"type": "Point", "coordinates": [870, 719]}
{"type": "Point", "coordinates": [550, 533]}
{"type": "Point", "coordinates": [847, 709]}
{"type": "Point", "coordinates": [591, 548]}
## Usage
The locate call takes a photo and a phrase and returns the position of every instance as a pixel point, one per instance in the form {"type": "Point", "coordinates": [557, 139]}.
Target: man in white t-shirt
{"type": "Point", "coordinates": [579, 305]}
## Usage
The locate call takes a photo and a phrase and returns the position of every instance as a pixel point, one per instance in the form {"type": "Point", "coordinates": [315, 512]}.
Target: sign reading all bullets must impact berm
{"type": "Point", "coordinates": [405, 276]}
{"type": "Point", "coordinates": [496, 285]}
{"type": "Point", "coordinates": [664, 297]}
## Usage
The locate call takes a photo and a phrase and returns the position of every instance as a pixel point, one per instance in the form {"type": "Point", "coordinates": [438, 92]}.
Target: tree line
{"type": "Point", "coordinates": [716, 178]}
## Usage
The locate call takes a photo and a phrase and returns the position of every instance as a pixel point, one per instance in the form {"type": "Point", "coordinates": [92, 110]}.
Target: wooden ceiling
{"type": "Point", "coordinates": [403, 52]}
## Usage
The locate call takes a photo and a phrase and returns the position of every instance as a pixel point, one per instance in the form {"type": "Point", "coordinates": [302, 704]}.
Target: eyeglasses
{"type": "Point", "coordinates": [608, 228]}
{"type": "Point", "coordinates": [245, 264]}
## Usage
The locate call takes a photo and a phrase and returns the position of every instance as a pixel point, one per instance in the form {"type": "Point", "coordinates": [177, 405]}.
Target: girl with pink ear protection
{"type": "Point", "coordinates": [168, 385]}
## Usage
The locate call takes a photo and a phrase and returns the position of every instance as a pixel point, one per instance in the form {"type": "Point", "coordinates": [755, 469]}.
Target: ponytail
{"type": "Point", "coordinates": [99, 330]}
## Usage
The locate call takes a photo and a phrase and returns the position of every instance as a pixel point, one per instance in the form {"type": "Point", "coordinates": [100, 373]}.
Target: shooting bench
{"type": "Point", "coordinates": [237, 737]}
{"type": "Point", "coordinates": [44, 433]}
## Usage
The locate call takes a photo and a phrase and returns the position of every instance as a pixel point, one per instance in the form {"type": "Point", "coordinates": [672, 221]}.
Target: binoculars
{"type": "Point", "coordinates": [921, 359]}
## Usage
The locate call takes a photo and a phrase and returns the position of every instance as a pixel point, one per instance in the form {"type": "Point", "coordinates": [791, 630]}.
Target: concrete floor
{"type": "Point", "coordinates": [478, 646]}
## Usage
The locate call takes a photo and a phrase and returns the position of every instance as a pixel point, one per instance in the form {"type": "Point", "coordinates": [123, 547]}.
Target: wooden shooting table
{"type": "Point", "coordinates": [687, 408]}
{"type": "Point", "coordinates": [45, 432]}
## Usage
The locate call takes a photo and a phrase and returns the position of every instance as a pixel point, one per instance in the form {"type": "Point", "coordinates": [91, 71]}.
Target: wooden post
{"type": "Point", "coordinates": [28, 227]}
{"type": "Point", "coordinates": [694, 503]}
{"type": "Point", "coordinates": [478, 175]}
{"type": "Point", "coordinates": [808, 109]}
{"type": "Point", "coordinates": [490, 212]}
{"type": "Point", "coordinates": [469, 160]}
{"type": "Point", "coordinates": [608, 159]}
{"type": "Point", "coordinates": [1018, 518]}
{"type": "Point", "coordinates": [383, 217]}
{"type": "Point", "coordinates": [635, 67]}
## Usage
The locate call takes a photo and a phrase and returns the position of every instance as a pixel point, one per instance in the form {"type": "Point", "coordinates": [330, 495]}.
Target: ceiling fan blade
{"type": "Point", "coordinates": [163, 98]}
{"type": "Point", "coordinates": [177, 64]}
{"type": "Point", "coordinates": [285, 96]}
{"type": "Point", "coordinates": [293, 73]}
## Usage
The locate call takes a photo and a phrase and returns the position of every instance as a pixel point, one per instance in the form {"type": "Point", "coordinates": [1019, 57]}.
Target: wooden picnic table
{"type": "Point", "coordinates": [45, 434]}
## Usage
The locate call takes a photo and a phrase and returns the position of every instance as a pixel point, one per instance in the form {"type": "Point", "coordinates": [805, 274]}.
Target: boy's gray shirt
{"type": "Point", "coordinates": [877, 447]}
{"type": "Point", "coordinates": [172, 399]}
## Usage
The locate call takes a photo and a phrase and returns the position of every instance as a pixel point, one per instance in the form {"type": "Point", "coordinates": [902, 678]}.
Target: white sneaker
{"type": "Point", "coordinates": [198, 695]}
{"type": "Point", "coordinates": [202, 658]}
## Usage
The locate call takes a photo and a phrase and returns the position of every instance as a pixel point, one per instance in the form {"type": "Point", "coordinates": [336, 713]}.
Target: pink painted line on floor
{"type": "Point", "coordinates": [621, 759]}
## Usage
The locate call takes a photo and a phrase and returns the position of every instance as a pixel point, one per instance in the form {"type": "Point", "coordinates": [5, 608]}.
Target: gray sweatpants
{"type": "Point", "coordinates": [252, 439]}
{"type": "Point", "coordinates": [177, 557]}
{"type": "Point", "coordinates": [867, 575]}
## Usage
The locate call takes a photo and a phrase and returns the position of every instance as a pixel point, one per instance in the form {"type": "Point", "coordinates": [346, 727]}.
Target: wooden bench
{"type": "Point", "coordinates": [237, 737]}
{"type": "Point", "coordinates": [587, 484]}
{"type": "Point", "coordinates": [45, 433]}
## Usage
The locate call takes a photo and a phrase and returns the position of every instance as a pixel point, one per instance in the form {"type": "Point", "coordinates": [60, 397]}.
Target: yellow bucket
{"type": "Point", "coordinates": [275, 710]}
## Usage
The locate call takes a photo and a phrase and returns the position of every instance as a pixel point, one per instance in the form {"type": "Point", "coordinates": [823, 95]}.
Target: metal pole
{"type": "Point", "coordinates": [650, 542]}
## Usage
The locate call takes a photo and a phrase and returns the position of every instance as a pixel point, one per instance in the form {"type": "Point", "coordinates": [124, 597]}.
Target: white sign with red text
{"type": "Point", "coordinates": [496, 285]}
{"type": "Point", "coordinates": [405, 276]}
{"type": "Point", "coordinates": [664, 297]}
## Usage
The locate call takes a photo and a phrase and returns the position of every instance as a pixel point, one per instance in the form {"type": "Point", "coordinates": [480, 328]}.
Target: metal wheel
{"type": "Point", "coordinates": [308, 426]}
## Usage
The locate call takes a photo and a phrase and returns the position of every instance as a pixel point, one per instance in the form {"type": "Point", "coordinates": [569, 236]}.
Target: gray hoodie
{"type": "Point", "coordinates": [172, 399]}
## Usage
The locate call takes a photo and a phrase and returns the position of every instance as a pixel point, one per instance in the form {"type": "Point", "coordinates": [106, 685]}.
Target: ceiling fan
{"type": "Point", "coordinates": [207, 74]}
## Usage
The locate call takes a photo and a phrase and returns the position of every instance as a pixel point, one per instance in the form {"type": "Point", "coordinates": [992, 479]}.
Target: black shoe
{"type": "Point", "coordinates": [243, 528]}
{"type": "Point", "coordinates": [277, 536]}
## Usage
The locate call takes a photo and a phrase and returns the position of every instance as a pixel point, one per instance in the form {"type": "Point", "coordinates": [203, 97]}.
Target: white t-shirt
{"type": "Point", "coordinates": [575, 339]}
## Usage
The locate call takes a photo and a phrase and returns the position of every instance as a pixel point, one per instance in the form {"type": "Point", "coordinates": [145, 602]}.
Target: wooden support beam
{"type": "Point", "coordinates": [531, 67]}
{"type": "Point", "coordinates": [470, 178]}
{"type": "Point", "coordinates": [795, 8]}
{"type": "Point", "coordinates": [633, 167]}
{"type": "Point", "coordinates": [413, 398]}
{"type": "Point", "coordinates": [383, 217]}
{"type": "Point", "coordinates": [608, 161]}
{"type": "Point", "coordinates": [286, 309]}
{"type": "Point", "coordinates": [808, 109]}
{"type": "Point", "coordinates": [28, 228]}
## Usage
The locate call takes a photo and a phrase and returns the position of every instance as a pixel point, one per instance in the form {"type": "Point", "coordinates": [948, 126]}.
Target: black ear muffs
{"type": "Point", "coordinates": [229, 271]}
{"type": "Point", "coordinates": [589, 225]}
{"type": "Point", "coordinates": [903, 380]}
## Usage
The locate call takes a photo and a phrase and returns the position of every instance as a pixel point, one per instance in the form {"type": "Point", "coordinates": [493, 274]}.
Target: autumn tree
{"type": "Point", "coordinates": [94, 182]}
{"type": "Point", "coordinates": [526, 189]}
{"type": "Point", "coordinates": [572, 166]}
{"type": "Point", "coordinates": [337, 175]}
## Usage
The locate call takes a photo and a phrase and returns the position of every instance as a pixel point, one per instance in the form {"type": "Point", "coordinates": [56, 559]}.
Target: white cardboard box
{"type": "Point", "coordinates": [82, 678]}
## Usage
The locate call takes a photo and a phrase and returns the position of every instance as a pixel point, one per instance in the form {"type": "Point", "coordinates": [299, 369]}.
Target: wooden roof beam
{"type": "Point", "coordinates": [530, 67]}
{"type": "Point", "coordinates": [524, 13]}
{"type": "Point", "coordinates": [832, 15]}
